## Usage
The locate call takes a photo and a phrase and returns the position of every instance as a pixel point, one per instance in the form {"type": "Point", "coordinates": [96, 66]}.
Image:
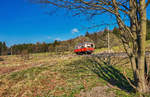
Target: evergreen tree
{"type": "Point", "coordinates": [87, 34]}
{"type": "Point", "coordinates": [116, 32]}
{"type": "Point", "coordinates": [0, 48]}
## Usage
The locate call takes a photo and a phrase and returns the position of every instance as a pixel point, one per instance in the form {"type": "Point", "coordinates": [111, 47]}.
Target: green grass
{"type": "Point", "coordinates": [67, 78]}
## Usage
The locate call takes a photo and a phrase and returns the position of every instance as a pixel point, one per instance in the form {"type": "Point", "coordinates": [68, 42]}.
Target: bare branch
{"type": "Point", "coordinates": [148, 2]}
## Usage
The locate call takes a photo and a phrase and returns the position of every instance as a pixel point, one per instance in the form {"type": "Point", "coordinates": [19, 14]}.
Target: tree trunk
{"type": "Point", "coordinates": [142, 86]}
{"type": "Point", "coordinates": [134, 69]}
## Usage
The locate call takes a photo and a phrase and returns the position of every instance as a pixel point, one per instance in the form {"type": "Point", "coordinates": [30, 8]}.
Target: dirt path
{"type": "Point", "coordinates": [5, 70]}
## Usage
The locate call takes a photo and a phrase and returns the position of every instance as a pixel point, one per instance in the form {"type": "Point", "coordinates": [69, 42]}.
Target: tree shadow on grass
{"type": "Point", "coordinates": [107, 72]}
{"type": "Point", "coordinates": [104, 68]}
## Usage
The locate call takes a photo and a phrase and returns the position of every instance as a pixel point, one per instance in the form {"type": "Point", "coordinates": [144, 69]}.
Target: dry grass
{"type": "Point", "coordinates": [34, 77]}
{"type": "Point", "coordinates": [50, 75]}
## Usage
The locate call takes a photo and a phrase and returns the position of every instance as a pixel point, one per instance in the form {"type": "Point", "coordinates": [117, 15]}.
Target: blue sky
{"type": "Point", "coordinates": [23, 22]}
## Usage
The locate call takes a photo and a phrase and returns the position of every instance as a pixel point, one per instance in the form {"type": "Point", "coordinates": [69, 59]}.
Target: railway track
{"type": "Point", "coordinates": [122, 54]}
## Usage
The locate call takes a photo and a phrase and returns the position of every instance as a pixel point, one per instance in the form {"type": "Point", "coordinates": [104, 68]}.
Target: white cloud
{"type": "Point", "coordinates": [57, 38]}
{"type": "Point", "coordinates": [74, 30]}
{"type": "Point", "coordinates": [48, 37]}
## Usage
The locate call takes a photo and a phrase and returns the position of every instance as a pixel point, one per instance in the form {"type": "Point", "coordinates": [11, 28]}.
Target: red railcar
{"type": "Point", "coordinates": [84, 48]}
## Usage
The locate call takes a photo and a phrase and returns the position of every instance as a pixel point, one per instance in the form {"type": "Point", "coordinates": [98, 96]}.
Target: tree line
{"type": "Point", "coordinates": [3, 48]}
{"type": "Point", "coordinates": [98, 38]}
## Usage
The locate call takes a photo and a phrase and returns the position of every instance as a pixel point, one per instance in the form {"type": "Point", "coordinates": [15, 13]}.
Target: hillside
{"type": "Point", "coordinates": [51, 75]}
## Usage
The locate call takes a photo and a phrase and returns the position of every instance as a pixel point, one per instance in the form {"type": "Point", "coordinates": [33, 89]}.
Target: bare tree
{"type": "Point", "coordinates": [133, 35]}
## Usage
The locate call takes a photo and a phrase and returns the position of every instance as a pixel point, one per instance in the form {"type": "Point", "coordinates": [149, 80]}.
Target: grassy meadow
{"type": "Point", "coordinates": [67, 75]}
